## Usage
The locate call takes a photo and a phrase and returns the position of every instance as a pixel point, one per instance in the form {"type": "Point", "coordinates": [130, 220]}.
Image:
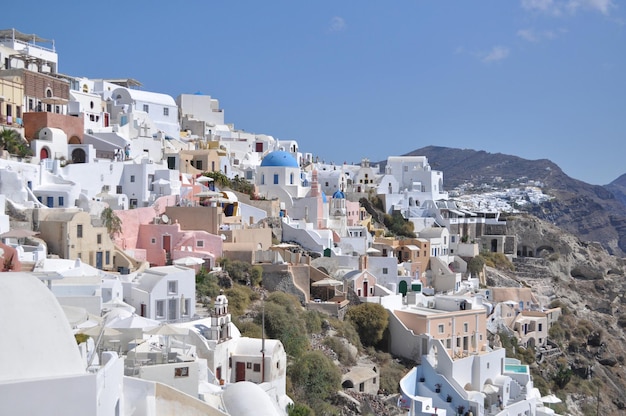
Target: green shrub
{"type": "Point", "coordinates": [370, 321]}
{"type": "Point", "coordinates": [315, 379]}
{"type": "Point", "coordinates": [249, 329]}
{"type": "Point", "coordinates": [239, 298]}
{"type": "Point", "coordinates": [299, 409]}
{"type": "Point", "coordinates": [342, 351]}
{"type": "Point", "coordinates": [346, 330]}
{"type": "Point", "coordinates": [313, 322]}
{"type": "Point", "coordinates": [283, 324]}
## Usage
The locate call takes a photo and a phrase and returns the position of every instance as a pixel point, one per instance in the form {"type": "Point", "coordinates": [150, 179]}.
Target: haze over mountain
{"type": "Point", "coordinates": [591, 212]}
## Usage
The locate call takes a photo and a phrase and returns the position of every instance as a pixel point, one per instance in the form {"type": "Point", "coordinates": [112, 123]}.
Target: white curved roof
{"type": "Point", "coordinates": [37, 341]}
{"type": "Point", "coordinates": [252, 346]}
{"type": "Point", "coordinates": [145, 96]}
{"type": "Point", "coordinates": [256, 401]}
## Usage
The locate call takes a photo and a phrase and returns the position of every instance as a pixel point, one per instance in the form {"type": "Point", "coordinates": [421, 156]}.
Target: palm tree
{"type": "Point", "coordinates": [13, 142]}
{"type": "Point", "coordinates": [111, 221]}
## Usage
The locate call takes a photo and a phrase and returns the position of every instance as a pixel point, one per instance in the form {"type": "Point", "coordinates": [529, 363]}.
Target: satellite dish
{"type": "Point", "coordinates": [165, 219]}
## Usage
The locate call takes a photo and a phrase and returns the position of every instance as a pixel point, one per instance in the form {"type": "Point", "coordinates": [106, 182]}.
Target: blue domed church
{"type": "Point", "coordinates": [279, 176]}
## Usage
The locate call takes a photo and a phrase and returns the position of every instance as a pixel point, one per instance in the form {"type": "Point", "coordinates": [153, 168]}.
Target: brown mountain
{"type": "Point", "coordinates": [591, 212]}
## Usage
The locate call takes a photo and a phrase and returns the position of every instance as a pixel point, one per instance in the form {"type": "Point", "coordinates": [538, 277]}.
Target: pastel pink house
{"type": "Point", "coordinates": [163, 243]}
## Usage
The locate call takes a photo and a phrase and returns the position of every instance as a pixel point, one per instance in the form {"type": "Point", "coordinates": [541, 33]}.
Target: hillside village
{"type": "Point", "coordinates": [117, 198]}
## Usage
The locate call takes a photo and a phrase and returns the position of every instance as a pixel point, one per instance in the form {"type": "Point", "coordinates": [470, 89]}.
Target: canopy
{"type": "Point", "coordinates": [95, 331]}
{"type": "Point", "coordinates": [134, 321]}
{"type": "Point", "coordinates": [326, 282]}
{"type": "Point", "coordinates": [207, 194]}
{"type": "Point", "coordinates": [167, 329]}
{"type": "Point", "coordinates": [204, 179]}
{"type": "Point", "coordinates": [161, 181]}
{"type": "Point", "coordinates": [189, 261]}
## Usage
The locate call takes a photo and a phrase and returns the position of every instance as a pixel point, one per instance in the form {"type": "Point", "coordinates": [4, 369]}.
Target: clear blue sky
{"type": "Point", "coordinates": [353, 79]}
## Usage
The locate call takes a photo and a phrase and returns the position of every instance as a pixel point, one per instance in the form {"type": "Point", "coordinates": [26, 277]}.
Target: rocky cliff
{"type": "Point", "coordinates": [589, 284]}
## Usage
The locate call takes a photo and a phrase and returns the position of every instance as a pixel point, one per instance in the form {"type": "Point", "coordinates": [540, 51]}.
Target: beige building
{"type": "Point", "coordinates": [201, 160]}
{"type": "Point", "coordinates": [413, 252]}
{"type": "Point", "coordinates": [11, 100]}
{"type": "Point", "coordinates": [462, 332]}
{"type": "Point", "coordinates": [70, 235]}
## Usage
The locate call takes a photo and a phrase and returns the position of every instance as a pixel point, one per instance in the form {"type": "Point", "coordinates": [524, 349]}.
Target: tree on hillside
{"type": "Point", "coordinates": [219, 179]}
{"type": "Point", "coordinates": [13, 142]}
{"type": "Point", "coordinates": [111, 221]}
{"type": "Point", "coordinates": [315, 379]}
{"type": "Point", "coordinates": [370, 321]}
{"type": "Point", "coordinates": [285, 324]}
{"type": "Point", "coordinates": [476, 265]}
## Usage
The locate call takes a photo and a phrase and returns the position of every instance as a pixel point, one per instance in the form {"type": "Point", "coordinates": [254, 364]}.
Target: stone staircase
{"type": "Point", "coordinates": [531, 267]}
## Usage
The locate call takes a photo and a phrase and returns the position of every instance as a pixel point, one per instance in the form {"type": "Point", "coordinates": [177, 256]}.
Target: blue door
{"type": "Point", "coordinates": [50, 202]}
{"type": "Point", "coordinates": [99, 260]}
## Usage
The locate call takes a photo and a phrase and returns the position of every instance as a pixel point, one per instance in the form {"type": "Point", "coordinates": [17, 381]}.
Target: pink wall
{"type": "Point", "coordinates": [352, 210]}
{"type": "Point", "coordinates": [156, 253]}
{"type": "Point", "coordinates": [133, 218]}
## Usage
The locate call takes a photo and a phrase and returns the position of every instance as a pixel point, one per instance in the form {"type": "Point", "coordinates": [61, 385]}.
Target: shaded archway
{"type": "Point", "coordinates": [403, 287]}
{"type": "Point", "coordinates": [348, 384]}
{"type": "Point", "coordinates": [544, 251]}
{"type": "Point", "coordinates": [78, 156]}
{"type": "Point", "coordinates": [74, 140]}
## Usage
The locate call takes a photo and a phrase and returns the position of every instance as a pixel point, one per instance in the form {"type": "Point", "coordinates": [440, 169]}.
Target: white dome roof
{"type": "Point", "coordinates": [257, 402]}
{"type": "Point", "coordinates": [37, 341]}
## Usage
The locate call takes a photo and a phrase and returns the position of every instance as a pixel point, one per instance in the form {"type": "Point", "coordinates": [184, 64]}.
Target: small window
{"type": "Point", "coordinates": [146, 108]}
{"type": "Point", "coordinates": [99, 239]}
{"type": "Point", "coordinates": [248, 365]}
{"type": "Point", "coordinates": [172, 287]}
{"type": "Point", "coordinates": [79, 231]}
{"type": "Point", "coordinates": [166, 111]}
{"type": "Point", "coordinates": [132, 178]}
{"type": "Point", "coordinates": [257, 368]}
{"type": "Point", "coordinates": [181, 372]}
{"type": "Point", "coordinates": [276, 179]}
{"type": "Point", "coordinates": [385, 270]}
{"type": "Point", "coordinates": [153, 240]}
{"type": "Point", "coordinates": [440, 328]}
{"type": "Point", "coordinates": [107, 257]}
{"type": "Point", "coordinates": [200, 243]}
{"type": "Point", "coordinates": [61, 201]}
{"type": "Point", "coordinates": [466, 327]}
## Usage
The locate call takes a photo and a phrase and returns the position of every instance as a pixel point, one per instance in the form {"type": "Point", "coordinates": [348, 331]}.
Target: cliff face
{"type": "Point", "coordinates": [591, 212]}
{"type": "Point", "coordinates": [588, 283]}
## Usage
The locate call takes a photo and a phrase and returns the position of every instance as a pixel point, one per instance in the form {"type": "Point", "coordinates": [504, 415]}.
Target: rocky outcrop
{"type": "Point", "coordinates": [589, 284]}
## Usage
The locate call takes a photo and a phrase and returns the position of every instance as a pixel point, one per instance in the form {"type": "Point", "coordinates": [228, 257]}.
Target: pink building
{"type": "Point", "coordinates": [167, 242]}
